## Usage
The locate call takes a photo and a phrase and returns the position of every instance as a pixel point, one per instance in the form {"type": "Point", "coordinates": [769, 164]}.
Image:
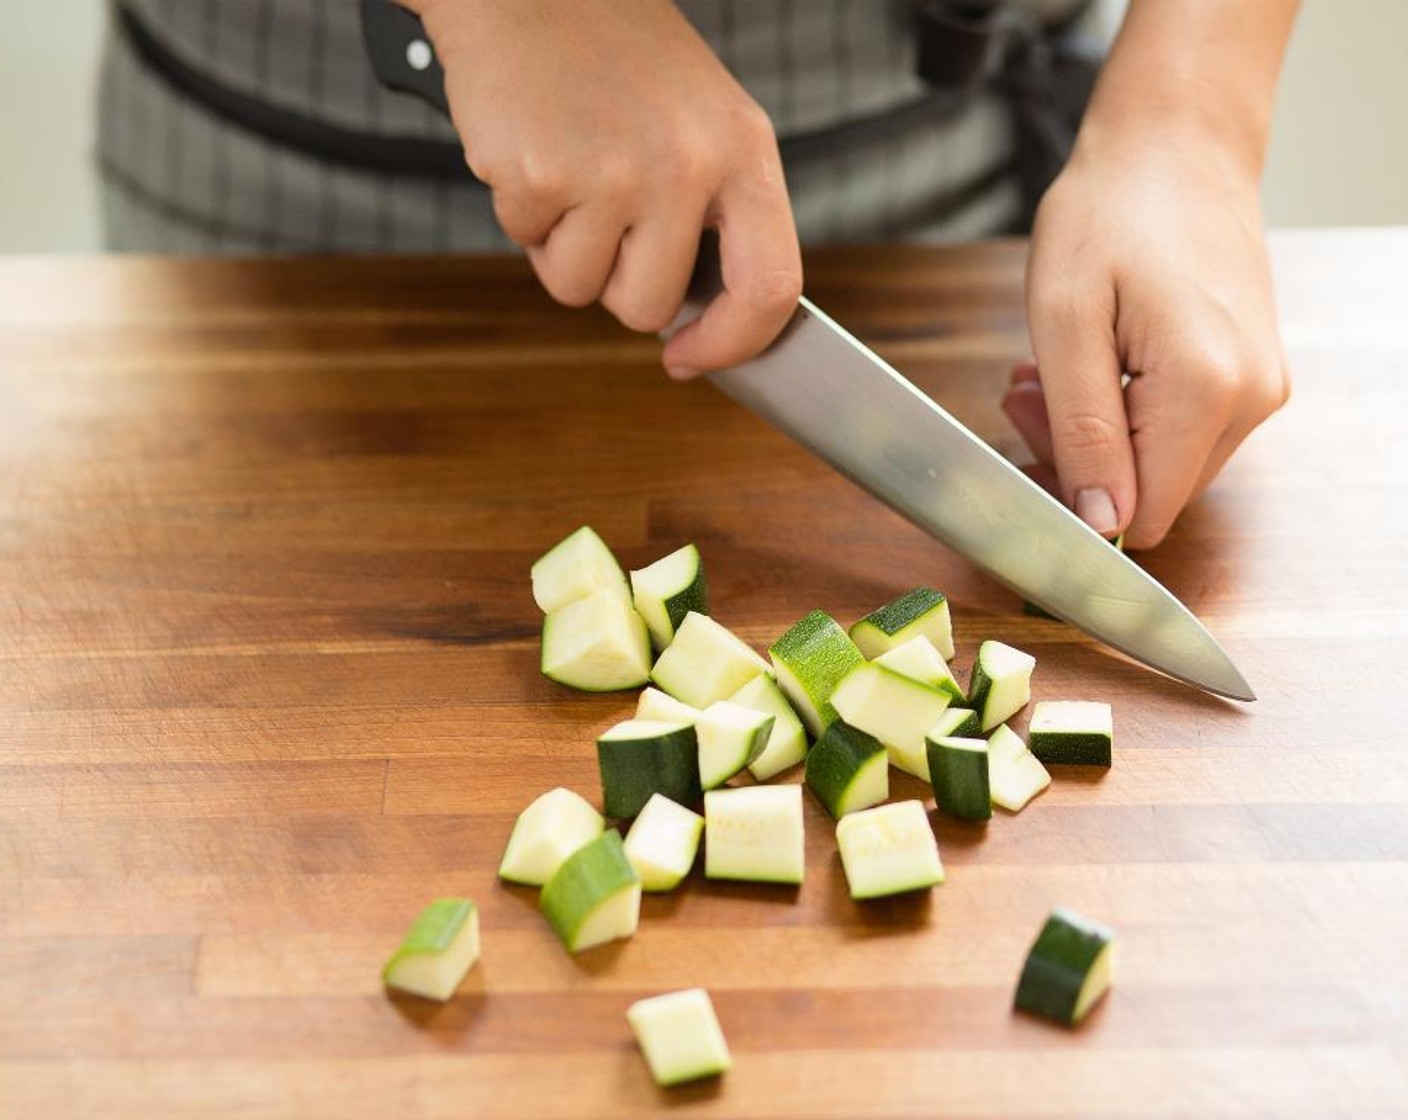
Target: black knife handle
{"type": "Point", "coordinates": [402, 54]}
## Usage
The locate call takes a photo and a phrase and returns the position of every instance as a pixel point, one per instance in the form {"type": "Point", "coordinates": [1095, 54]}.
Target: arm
{"type": "Point", "coordinates": [610, 137]}
{"type": "Point", "coordinates": [1148, 258]}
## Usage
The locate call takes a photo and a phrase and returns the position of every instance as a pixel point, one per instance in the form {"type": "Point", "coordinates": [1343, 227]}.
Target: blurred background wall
{"type": "Point", "coordinates": [1339, 151]}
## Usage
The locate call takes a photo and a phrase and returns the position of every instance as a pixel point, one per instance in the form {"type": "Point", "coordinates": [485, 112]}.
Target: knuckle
{"type": "Point", "coordinates": [1060, 305]}
{"type": "Point", "coordinates": [567, 286]}
{"type": "Point", "coordinates": [539, 179]}
{"type": "Point", "coordinates": [684, 162]}
{"type": "Point", "coordinates": [751, 124]}
{"type": "Point", "coordinates": [644, 315]}
{"type": "Point", "coordinates": [615, 181]}
{"type": "Point", "coordinates": [1087, 433]}
{"type": "Point", "coordinates": [516, 223]}
{"type": "Point", "coordinates": [1147, 532]}
{"type": "Point", "coordinates": [774, 291]}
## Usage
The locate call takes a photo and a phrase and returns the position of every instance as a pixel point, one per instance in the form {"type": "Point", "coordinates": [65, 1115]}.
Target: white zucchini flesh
{"type": "Point", "coordinates": [730, 737]}
{"type": "Point", "coordinates": [896, 709]}
{"type": "Point", "coordinates": [596, 644]}
{"type": "Point", "coordinates": [1001, 684]}
{"type": "Point", "coordinates": [705, 662]}
{"type": "Point", "coordinates": [680, 1036]}
{"type": "Point", "coordinates": [787, 741]}
{"type": "Point", "coordinates": [437, 952]}
{"type": "Point", "coordinates": [657, 705]}
{"type": "Point", "coordinates": [577, 566]}
{"type": "Point", "coordinates": [755, 833]}
{"type": "Point", "coordinates": [549, 830]}
{"type": "Point", "coordinates": [614, 918]}
{"type": "Point", "coordinates": [1015, 775]}
{"type": "Point", "coordinates": [889, 849]}
{"type": "Point", "coordinates": [665, 591]}
{"type": "Point", "coordinates": [663, 842]}
{"type": "Point", "coordinates": [918, 660]}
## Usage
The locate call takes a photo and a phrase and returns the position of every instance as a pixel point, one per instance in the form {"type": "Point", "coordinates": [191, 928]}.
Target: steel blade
{"type": "Point", "coordinates": [833, 395]}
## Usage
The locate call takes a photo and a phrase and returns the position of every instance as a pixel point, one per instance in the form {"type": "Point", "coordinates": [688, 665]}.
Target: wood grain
{"type": "Point", "coordinates": [268, 682]}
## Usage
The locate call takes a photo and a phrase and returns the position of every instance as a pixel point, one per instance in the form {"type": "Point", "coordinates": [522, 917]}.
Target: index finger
{"type": "Point", "coordinates": [762, 275]}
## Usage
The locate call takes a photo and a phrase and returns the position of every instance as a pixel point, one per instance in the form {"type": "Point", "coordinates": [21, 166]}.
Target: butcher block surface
{"type": "Point", "coordinates": [269, 683]}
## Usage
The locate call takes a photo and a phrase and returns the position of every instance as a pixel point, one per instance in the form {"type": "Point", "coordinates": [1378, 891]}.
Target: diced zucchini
{"type": "Point", "coordinates": [848, 769]}
{"type": "Point", "coordinates": [810, 660]}
{"type": "Point", "coordinates": [1001, 684]}
{"type": "Point", "coordinates": [437, 951]}
{"type": "Point", "coordinates": [597, 644]}
{"type": "Point", "coordinates": [959, 771]}
{"type": "Point", "coordinates": [1015, 775]}
{"type": "Point", "coordinates": [680, 1036]}
{"type": "Point", "coordinates": [730, 737]}
{"type": "Point", "coordinates": [654, 704]}
{"type": "Point", "coordinates": [595, 895]}
{"type": "Point", "coordinates": [705, 662]}
{"type": "Point", "coordinates": [1080, 732]}
{"type": "Point", "coordinates": [787, 741]}
{"type": "Point", "coordinates": [918, 660]}
{"type": "Point", "coordinates": [640, 757]}
{"type": "Point", "coordinates": [889, 849]}
{"type": "Point", "coordinates": [1067, 969]}
{"type": "Point", "coordinates": [554, 826]}
{"type": "Point", "coordinates": [755, 833]}
{"type": "Point", "coordinates": [663, 842]}
{"type": "Point", "coordinates": [896, 709]}
{"type": "Point", "coordinates": [956, 723]}
{"type": "Point", "coordinates": [575, 567]}
{"type": "Point", "coordinates": [922, 611]}
{"type": "Point", "coordinates": [667, 590]}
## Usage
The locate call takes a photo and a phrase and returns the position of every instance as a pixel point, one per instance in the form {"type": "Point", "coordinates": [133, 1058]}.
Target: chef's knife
{"type": "Point", "coordinates": [834, 396]}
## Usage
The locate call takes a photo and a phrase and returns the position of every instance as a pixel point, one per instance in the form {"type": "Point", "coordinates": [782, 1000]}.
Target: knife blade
{"type": "Point", "coordinates": [837, 398]}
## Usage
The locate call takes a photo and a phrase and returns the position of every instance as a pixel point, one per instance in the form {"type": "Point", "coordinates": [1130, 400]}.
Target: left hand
{"type": "Point", "coordinates": [1147, 258]}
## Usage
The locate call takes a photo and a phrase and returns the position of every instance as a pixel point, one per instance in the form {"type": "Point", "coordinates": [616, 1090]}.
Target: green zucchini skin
{"type": "Point", "coordinates": [695, 598]}
{"type": "Point", "coordinates": [958, 723]}
{"type": "Point", "coordinates": [810, 660]}
{"type": "Point", "coordinates": [920, 611]}
{"type": "Point", "coordinates": [632, 770]}
{"type": "Point", "coordinates": [598, 869]}
{"type": "Point", "coordinates": [1072, 732]}
{"type": "Point", "coordinates": [989, 697]}
{"type": "Point", "coordinates": [960, 778]}
{"type": "Point", "coordinates": [1070, 748]}
{"type": "Point", "coordinates": [895, 615]}
{"type": "Point", "coordinates": [666, 591]}
{"type": "Point", "coordinates": [836, 760]}
{"type": "Point", "coordinates": [1058, 964]}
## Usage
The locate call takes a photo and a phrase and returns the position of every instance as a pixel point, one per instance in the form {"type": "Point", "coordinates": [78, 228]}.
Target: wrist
{"type": "Point", "coordinates": [1194, 76]}
{"type": "Point", "coordinates": [1170, 120]}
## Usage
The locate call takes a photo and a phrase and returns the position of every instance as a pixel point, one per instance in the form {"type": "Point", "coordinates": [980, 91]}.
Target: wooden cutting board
{"type": "Point", "coordinates": [268, 683]}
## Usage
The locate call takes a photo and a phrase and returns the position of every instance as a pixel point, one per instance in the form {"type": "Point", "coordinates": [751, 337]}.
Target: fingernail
{"type": "Point", "coordinates": [682, 373]}
{"type": "Point", "coordinates": [1023, 373]}
{"type": "Point", "coordinates": [1097, 509]}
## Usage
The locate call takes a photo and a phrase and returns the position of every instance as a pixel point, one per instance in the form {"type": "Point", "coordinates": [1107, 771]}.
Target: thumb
{"type": "Point", "coordinates": [1090, 438]}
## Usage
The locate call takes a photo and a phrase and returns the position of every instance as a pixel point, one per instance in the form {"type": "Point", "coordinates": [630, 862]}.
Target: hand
{"type": "Point", "coordinates": [611, 137]}
{"type": "Point", "coordinates": [1147, 259]}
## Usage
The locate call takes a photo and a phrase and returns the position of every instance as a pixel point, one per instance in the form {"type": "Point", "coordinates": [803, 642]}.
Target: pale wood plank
{"type": "Point", "coordinates": [902, 1083]}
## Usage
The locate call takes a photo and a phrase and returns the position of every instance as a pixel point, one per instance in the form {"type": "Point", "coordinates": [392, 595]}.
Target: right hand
{"type": "Point", "coordinates": [611, 137]}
